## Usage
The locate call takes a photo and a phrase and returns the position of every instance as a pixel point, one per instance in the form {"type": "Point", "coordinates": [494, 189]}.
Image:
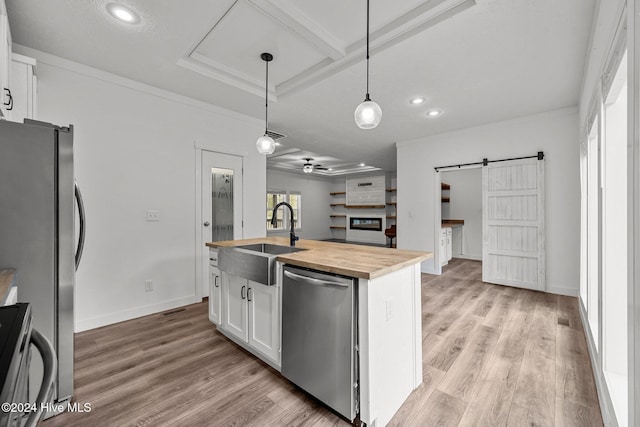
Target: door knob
{"type": "Point", "coordinates": [206, 223]}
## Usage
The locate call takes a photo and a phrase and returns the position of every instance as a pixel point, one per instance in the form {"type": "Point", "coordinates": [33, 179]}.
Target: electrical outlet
{"type": "Point", "coordinates": [148, 285]}
{"type": "Point", "coordinates": [153, 215]}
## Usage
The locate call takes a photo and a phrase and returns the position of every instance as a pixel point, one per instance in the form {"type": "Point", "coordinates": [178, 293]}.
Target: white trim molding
{"type": "Point", "coordinates": [336, 54]}
{"type": "Point", "coordinates": [75, 67]}
{"type": "Point", "coordinates": [633, 206]}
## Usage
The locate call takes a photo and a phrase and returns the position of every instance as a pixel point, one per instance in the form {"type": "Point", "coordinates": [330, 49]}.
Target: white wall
{"type": "Point", "coordinates": [555, 133]}
{"type": "Point", "coordinates": [315, 202]}
{"type": "Point", "coordinates": [465, 203]}
{"type": "Point", "coordinates": [134, 151]}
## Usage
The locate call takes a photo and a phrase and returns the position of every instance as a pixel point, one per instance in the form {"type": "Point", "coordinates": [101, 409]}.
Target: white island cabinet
{"type": "Point", "coordinates": [389, 318]}
{"type": "Point", "coordinates": [249, 314]}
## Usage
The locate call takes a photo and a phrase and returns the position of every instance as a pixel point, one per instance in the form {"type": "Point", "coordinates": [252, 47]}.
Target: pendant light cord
{"type": "Point", "coordinates": [266, 98]}
{"type": "Point", "coordinates": [367, 98]}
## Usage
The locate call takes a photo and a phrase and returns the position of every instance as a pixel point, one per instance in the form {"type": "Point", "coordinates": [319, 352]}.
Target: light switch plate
{"type": "Point", "coordinates": [153, 215]}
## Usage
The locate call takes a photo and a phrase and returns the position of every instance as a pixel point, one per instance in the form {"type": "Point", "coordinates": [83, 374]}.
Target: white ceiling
{"type": "Point", "coordinates": [479, 61]}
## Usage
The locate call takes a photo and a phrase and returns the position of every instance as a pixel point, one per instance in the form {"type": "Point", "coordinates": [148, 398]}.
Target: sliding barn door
{"type": "Point", "coordinates": [513, 223]}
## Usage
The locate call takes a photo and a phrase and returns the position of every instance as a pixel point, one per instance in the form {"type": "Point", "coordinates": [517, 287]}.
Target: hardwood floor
{"type": "Point", "coordinates": [493, 356]}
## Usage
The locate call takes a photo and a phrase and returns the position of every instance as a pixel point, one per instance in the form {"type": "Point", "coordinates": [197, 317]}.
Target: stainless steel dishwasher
{"type": "Point", "coordinates": [319, 337]}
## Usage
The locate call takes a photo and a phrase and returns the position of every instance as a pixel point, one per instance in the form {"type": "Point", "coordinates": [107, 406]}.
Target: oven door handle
{"type": "Point", "coordinates": [48, 354]}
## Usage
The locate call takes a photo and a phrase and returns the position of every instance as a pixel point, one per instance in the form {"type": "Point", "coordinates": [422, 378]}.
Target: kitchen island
{"type": "Point", "coordinates": [389, 337]}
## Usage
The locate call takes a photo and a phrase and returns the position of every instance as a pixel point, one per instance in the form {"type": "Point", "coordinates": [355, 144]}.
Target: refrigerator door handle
{"type": "Point", "coordinates": [81, 213]}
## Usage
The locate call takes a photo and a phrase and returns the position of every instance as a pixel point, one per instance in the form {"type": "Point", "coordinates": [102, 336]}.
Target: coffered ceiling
{"type": "Point", "coordinates": [479, 61]}
{"type": "Point", "coordinates": [310, 43]}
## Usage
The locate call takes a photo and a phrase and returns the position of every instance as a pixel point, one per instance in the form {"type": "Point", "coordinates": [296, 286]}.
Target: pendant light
{"type": "Point", "coordinates": [265, 144]}
{"type": "Point", "coordinates": [368, 114]}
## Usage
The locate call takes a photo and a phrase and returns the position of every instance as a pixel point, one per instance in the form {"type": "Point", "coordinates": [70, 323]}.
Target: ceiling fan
{"type": "Point", "coordinates": [309, 167]}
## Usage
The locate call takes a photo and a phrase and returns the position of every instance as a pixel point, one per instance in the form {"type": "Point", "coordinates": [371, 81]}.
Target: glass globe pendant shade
{"type": "Point", "coordinates": [368, 114]}
{"type": "Point", "coordinates": [307, 168]}
{"type": "Point", "coordinates": [265, 144]}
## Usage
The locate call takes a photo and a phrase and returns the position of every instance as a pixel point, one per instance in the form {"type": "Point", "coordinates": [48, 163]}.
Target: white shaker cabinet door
{"type": "Point", "coordinates": [215, 301]}
{"type": "Point", "coordinates": [442, 251]}
{"type": "Point", "coordinates": [264, 320]}
{"type": "Point", "coordinates": [235, 309]}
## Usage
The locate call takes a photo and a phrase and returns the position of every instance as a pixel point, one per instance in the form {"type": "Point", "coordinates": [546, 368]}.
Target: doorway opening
{"type": "Point", "coordinates": [461, 215]}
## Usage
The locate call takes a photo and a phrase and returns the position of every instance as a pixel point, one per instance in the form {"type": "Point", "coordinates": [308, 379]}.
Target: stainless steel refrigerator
{"type": "Point", "coordinates": [38, 199]}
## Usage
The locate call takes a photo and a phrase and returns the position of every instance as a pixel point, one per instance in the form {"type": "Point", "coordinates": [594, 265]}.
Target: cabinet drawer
{"type": "Point", "coordinates": [213, 257]}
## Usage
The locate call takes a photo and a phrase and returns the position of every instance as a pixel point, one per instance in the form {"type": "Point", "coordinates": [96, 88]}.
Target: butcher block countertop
{"type": "Point", "coordinates": [452, 222]}
{"type": "Point", "coordinates": [6, 281]}
{"type": "Point", "coordinates": [365, 262]}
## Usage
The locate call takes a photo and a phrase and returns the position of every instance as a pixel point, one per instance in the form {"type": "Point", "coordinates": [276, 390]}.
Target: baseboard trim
{"type": "Point", "coordinates": [468, 256]}
{"type": "Point", "coordinates": [121, 316]}
{"type": "Point", "coordinates": [570, 292]}
{"type": "Point", "coordinates": [606, 405]}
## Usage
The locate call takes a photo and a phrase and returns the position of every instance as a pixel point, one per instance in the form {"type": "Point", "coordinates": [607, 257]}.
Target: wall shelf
{"type": "Point", "coordinates": [338, 216]}
{"type": "Point", "coordinates": [337, 193]}
{"type": "Point", "coordinates": [392, 203]}
{"type": "Point", "coordinates": [337, 204]}
{"type": "Point", "coordinates": [391, 190]}
{"type": "Point", "coordinates": [445, 200]}
{"type": "Point", "coordinates": [391, 217]}
{"type": "Point", "coordinates": [364, 206]}
{"type": "Point", "coordinates": [338, 227]}
{"type": "Point", "coordinates": [444, 186]}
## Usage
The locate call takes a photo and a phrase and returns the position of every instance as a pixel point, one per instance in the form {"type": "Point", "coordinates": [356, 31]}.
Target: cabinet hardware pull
{"type": "Point", "coordinates": [242, 292]}
{"type": "Point", "coordinates": [9, 103]}
{"type": "Point", "coordinates": [215, 282]}
{"type": "Point", "coordinates": [249, 295]}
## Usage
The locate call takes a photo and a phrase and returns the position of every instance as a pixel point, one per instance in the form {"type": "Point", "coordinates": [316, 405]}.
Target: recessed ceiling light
{"type": "Point", "coordinates": [278, 144]}
{"type": "Point", "coordinates": [417, 100]}
{"type": "Point", "coordinates": [123, 13]}
{"type": "Point", "coordinates": [361, 164]}
{"type": "Point", "coordinates": [434, 113]}
{"type": "Point", "coordinates": [330, 169]}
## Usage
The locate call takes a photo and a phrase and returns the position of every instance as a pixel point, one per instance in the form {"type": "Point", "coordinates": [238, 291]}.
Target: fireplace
{"type": "Point", "coordinates": [364, 223]}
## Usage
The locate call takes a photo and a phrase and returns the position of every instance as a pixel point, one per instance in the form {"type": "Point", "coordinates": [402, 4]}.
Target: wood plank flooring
{"type": "Point", "coordinates": [493, 356]}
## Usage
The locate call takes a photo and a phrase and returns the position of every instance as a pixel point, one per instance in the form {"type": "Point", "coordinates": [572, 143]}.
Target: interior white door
{"type": "Point", "coordinates": [513, 223]}
{"type": "Point", "coordinates": [221, 202]}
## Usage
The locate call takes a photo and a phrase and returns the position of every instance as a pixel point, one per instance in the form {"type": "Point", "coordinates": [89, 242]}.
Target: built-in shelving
{"type": "Point", "coordinates": [339, 203]}
{"type": "Point", "coordinates": [445, 187]}
{"type": "Point", "coordinates": [364, 206]}
{"type": "Point", "coordinates": [337, 217]}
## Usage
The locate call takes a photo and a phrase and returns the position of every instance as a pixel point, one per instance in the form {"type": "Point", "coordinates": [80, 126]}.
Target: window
{"type": "Point", "coordinates": [282, 217]}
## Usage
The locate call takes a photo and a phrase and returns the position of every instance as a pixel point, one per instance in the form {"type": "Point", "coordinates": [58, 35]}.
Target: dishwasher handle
{"type": "Point", "coordinates": [313, 280]}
